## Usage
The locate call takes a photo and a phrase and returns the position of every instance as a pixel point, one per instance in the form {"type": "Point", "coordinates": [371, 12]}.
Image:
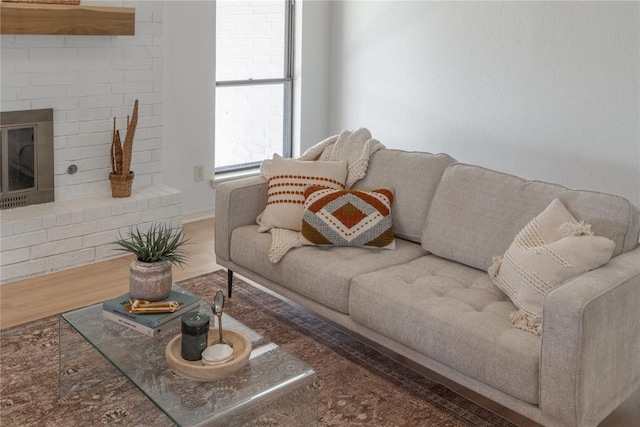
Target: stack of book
{"type": "Point", "coordinates": [149, 324]}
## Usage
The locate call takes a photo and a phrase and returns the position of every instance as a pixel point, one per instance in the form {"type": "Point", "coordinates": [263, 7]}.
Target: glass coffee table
{"type": "Point", "coordinates": [274, 385]}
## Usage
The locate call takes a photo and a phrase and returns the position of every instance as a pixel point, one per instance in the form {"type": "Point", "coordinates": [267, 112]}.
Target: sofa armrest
{"type": "Point", "coordinates": [589, 360]}
{"type": "Point", "coordinates": [238, 202]}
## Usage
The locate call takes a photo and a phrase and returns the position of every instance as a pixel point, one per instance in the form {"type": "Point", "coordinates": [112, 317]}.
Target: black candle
{"type": "Point", "coordinates": [195, 329]}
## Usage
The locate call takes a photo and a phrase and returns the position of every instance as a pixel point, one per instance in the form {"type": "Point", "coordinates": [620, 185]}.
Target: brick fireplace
{"type": "Point", "coordinates": [87, 81]}
{"type": "Point", "coordinates": [49, 237]}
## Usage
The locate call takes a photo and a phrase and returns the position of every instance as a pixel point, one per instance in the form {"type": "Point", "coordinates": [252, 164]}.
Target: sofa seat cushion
{"type": "Point", "coordinates": [453, 314]}
{"type": "Point", "coordinates": [322, 274]}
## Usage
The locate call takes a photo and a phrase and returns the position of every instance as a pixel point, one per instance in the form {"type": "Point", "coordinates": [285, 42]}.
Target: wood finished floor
{"type": "Point", "coordinates": [58, 292]}
{"type": "Point", "coordinates": [55, 293]}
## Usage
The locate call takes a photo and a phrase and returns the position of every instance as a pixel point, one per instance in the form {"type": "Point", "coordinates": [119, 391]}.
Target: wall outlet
{"type": "Point", "coordinates": [198, 173]}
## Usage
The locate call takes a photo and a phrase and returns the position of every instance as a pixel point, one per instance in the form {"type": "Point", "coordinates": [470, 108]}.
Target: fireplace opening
{"type": "Point", "coordinates": [26, 158]}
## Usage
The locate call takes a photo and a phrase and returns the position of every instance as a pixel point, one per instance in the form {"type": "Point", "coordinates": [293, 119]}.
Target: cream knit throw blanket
{"type": "Point", "coordinates": [355, 147]}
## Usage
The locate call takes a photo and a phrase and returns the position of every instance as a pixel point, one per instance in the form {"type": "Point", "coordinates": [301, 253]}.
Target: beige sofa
{"type": "Point", "coordinates": [431, 300]}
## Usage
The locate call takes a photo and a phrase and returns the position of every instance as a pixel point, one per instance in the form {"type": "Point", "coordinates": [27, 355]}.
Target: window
{"type": "Point", "coordinates": [254, 48]}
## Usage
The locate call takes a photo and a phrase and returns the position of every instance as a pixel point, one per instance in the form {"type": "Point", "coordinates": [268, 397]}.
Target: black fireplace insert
{"type": "Point", "coordinates": [26, 158]}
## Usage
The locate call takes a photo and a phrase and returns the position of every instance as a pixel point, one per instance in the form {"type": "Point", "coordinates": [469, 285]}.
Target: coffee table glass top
{"type": "Point", "coordinates": [271, 373]}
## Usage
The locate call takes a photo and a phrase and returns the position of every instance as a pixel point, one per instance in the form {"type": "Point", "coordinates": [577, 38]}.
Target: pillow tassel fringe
{"type": "Point", "coordinates": [576, 229]}
{"type": "Point", "coordinates": [495, 266]}
{"type": "Point", "coordinates": [521, 321]}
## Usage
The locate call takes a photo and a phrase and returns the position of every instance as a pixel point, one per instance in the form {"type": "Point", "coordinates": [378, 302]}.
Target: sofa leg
{"type": "Point", "coordinates": [229, 282]}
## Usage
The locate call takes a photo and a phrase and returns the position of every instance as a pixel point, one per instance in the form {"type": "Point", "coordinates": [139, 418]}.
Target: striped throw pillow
{"type": "Point", "coordinates": [553, 248]}
{"type": "Point", "coordinates": [348, 218]}
{"type": "Point", "coordinates": [285, 188]}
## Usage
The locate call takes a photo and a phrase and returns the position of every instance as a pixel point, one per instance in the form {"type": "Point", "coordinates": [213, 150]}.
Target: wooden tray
{"type": "Point", "coordinates": [195, 370]}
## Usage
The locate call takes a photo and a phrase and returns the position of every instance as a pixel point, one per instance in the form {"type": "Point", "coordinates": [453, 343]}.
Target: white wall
{"type": "Point", "coordinates": [311, 74]}
{"type": "Point", "coordinates": [189, 101]}
{"type": "Point", "coordinates": [545, 90]}
{"type": "Point", "coordinates": [189, 92]}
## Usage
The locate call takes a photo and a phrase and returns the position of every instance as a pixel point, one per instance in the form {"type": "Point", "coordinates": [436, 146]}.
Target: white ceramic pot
{"type": "Point", "coordinates": [150, 281]}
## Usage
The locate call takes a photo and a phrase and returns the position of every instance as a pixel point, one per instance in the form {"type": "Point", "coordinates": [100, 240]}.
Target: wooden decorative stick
{"type": "Point", "coordinates": [127, 146]}
{"type": "Point", "coordinates": [116, 151]}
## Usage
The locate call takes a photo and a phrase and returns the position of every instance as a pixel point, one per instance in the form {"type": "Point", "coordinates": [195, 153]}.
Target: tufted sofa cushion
{"type": "Point", "coordinates": [321, 273]}
{"type": "Point", "coordinates": [453, 314]}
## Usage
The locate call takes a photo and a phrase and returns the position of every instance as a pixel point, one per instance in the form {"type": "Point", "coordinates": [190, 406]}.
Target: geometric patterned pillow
{"type": "Point", "coordinates": [347, 218]}
{"type": "Point", "coordinates": [553, 248]}
{"type": "Point", "coordinates": [286, 184]}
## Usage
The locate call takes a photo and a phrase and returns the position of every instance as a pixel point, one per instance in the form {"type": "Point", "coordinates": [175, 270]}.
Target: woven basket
{"type": "Point", "coordinates": [44, 1]}
{"type": "Point", "coordinates": [121, 184]}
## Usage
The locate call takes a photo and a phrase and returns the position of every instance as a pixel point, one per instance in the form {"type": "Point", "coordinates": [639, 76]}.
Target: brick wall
{"type": "Point", "coordinates": [43, 238]}
{"type": "Point", "coordinates": [88, 80]}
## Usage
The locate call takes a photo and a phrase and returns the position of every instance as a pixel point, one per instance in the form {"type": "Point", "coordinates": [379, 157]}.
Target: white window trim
{"type": "Point", "coordinates": [217, 178]}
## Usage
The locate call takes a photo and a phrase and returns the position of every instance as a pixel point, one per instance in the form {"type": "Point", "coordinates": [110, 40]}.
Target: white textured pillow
{"type": "Point", "coordinates": [286, 185]}
{"type": "Point", "coordinates": [551, 249]}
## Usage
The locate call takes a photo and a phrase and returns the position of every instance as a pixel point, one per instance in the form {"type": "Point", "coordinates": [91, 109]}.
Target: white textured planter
{"type": "Point", "coordinates": [150, 281]}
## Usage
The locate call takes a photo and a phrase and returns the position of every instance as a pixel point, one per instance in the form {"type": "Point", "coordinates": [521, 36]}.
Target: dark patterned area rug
{"type": "Point", "coordinates": [358, 385]}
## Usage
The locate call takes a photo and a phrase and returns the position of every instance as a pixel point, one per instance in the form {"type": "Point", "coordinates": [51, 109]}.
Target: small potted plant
{"type": "Point", "coordinates": [156, 250]}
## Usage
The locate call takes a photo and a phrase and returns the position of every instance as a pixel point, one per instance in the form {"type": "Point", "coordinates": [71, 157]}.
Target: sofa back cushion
{"type": "Point", "coordinates": [476, 213]}
{"type": "Point", "coordinates": [413, 177]}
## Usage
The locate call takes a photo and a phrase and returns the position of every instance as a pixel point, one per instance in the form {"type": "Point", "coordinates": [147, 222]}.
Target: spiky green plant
{"type": "Point", "coordinates": [160, 243]}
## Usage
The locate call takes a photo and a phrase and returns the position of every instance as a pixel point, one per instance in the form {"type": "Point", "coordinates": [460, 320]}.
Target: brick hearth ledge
{"type": "Point", "coordinates": [48, 237]}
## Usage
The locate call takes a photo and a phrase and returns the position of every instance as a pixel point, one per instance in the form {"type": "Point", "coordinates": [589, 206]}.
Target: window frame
{"type": "Point", "coordinates": [286, 81]}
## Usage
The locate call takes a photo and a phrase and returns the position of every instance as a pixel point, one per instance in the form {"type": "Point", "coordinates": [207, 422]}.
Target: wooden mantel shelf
{"type": "Point", "coordinates": [56, 19]}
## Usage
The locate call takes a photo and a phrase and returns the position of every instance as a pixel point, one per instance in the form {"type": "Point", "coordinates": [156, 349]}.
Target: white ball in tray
{"type": "Point", "coordinates": [216, 354]}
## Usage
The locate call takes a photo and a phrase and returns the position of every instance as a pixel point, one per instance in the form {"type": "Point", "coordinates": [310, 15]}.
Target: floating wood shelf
{"type": "Point", "coordinates": [56, 19]}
